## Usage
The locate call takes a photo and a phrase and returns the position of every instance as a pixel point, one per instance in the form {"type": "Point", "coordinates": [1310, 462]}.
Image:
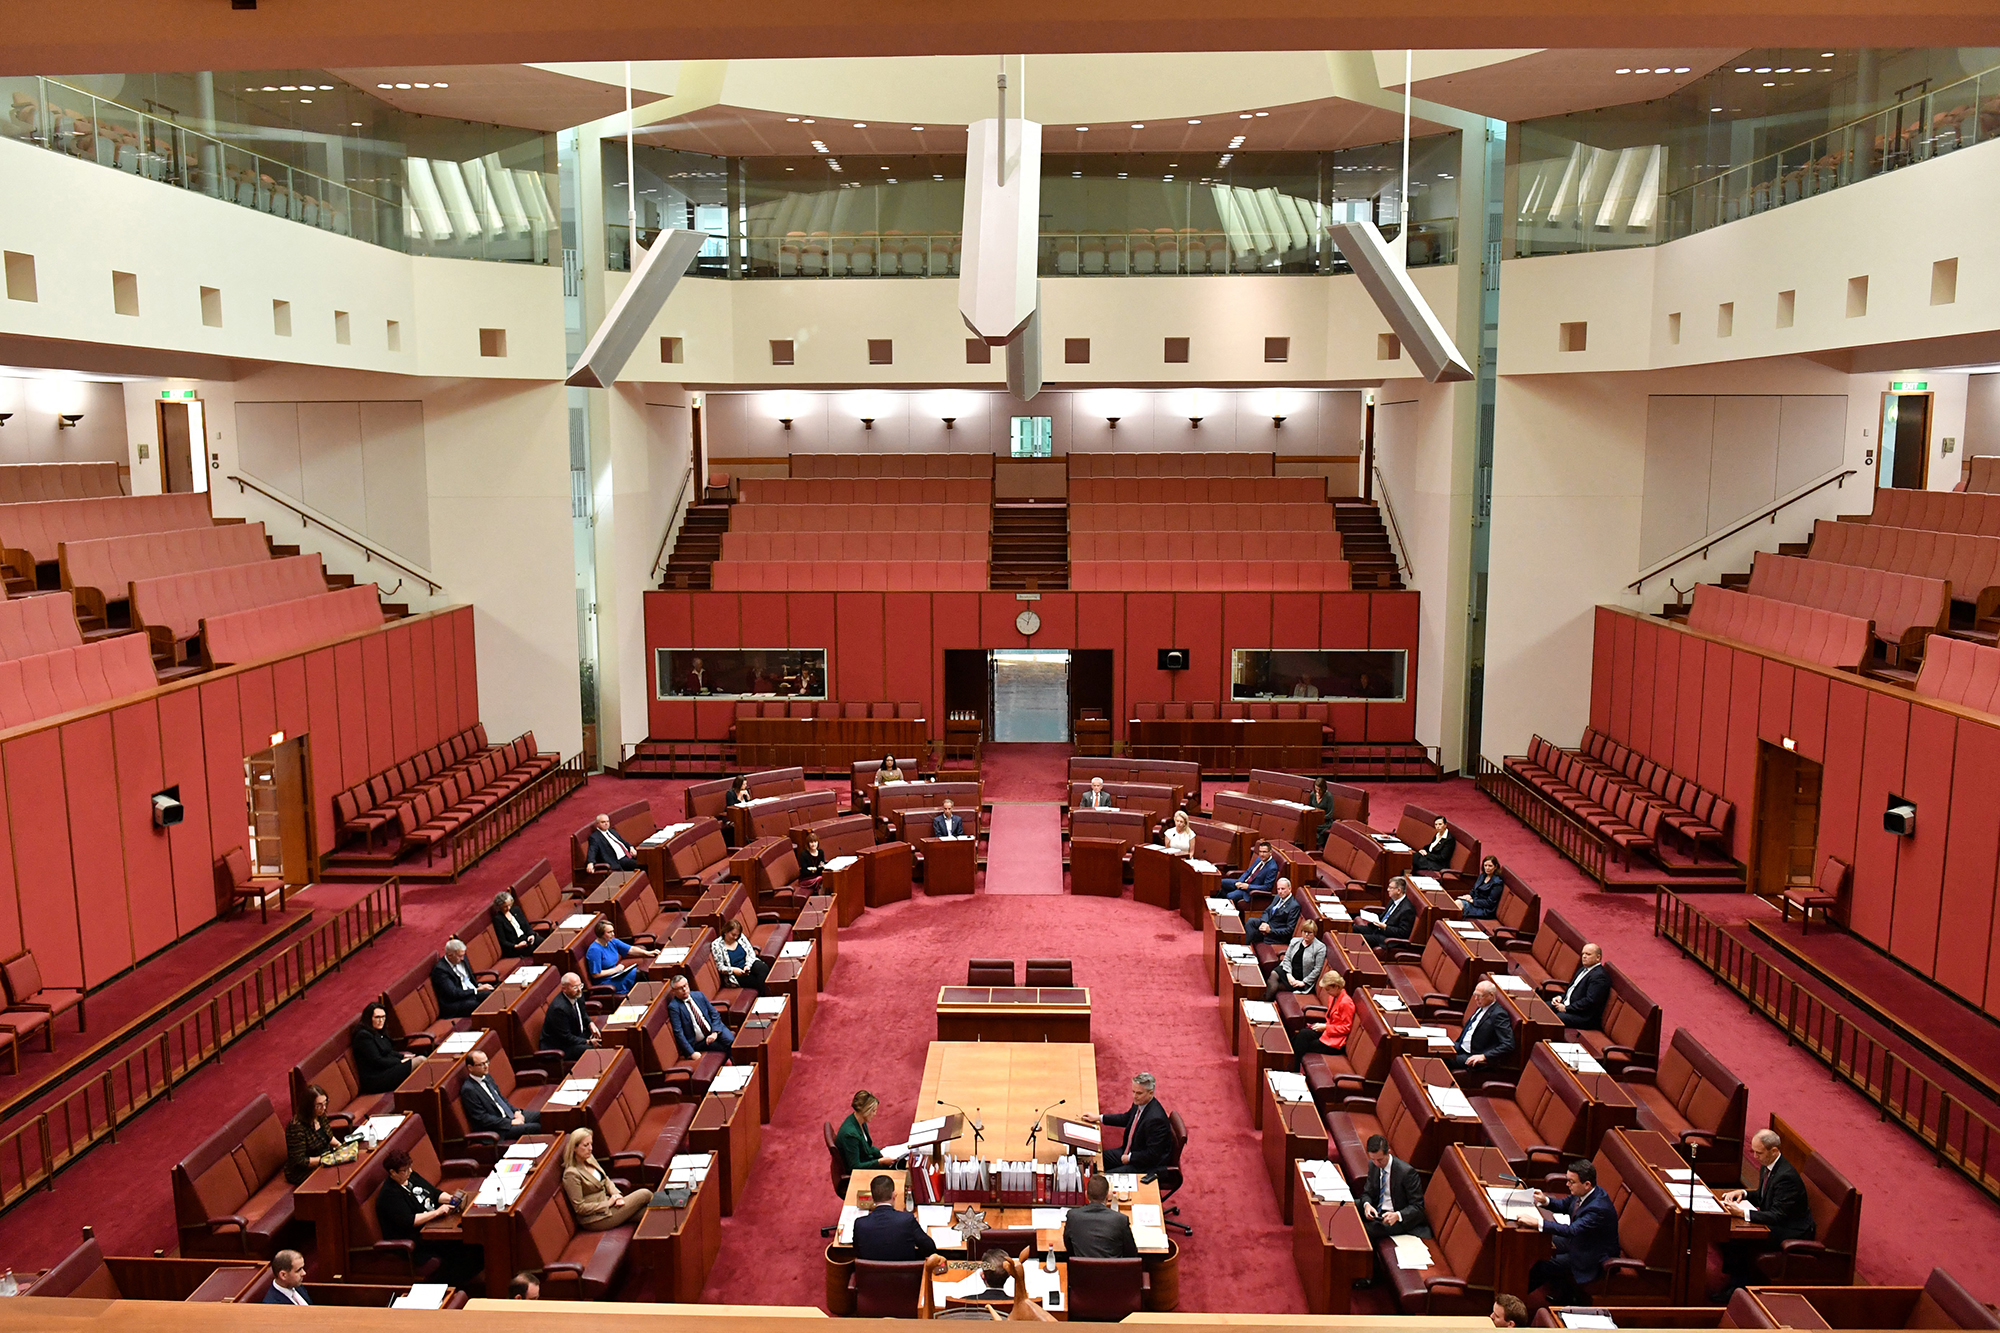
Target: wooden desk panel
{"type": "Point", "coordinates": [676, 1247]}
{"type": "Point", "coordinates": [507, 1009]}
{"type": "Point", "coordinates": [1242, 981]}
{"type": "Point", "coordinates": [1331, 1249]}
{"type": "Point", "coordinates": [1227, 745]}
{"type": "Point", "coordinates": [796, 979]}
{"type": "Point", "coordinates": [1007, 1083]}
{"type": "Point", "coordinates": [823, 745]}
{"type": "Point", "coordinates": [1194, 887]}
{"type": "Point", "coordinates": [1259, 1046]}
{"type": "Point", "coordinates": [597, 1063]}
{"type": "Point", "coordinates": [727, 1124]}
{"type": "Point", "coordinates": [1292, 1132]}
{"type": "Point", "coordinates": [1516, 1246]}
{"type": "Point", "coordinates": [770, 1049]}
{"type": "Point", "coordinates": [1013, 1014]}
{"type": "Point", "coordinates": [848, 886]}
{"type": "Point", "coordinates": [496, 1229]}
{"type": "Point", "coordinates": [1153, 877]}
{"type": "Point", "coordinates": [949, 865]}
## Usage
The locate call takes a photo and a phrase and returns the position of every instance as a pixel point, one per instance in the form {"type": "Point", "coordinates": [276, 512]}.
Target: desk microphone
{"type": "Point", "coordinates": [978, 1129]}
{"type": "Point", "coordinates": [1035, 1130]}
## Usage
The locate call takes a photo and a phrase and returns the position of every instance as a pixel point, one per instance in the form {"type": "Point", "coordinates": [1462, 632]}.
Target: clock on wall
{"type": "Point", "coordinates": [1027, 622]}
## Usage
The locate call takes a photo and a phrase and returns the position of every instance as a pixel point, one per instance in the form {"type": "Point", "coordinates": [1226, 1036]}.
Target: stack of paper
{"type": "Point", "coordinates": [576, 920]}
{"type": "Point", "coordinates": [625, 1014]}
{"type": "Point", "coordinates": [1238, 953]}
{"type": "Point", "coordinates": [1149, 1238]}
{"type": "Point", "coordinates": [1371, 916]}
{"type": "Point", "coordinates": [1411, 1252]}
{"type": "Point", "coordinates": [933, 1215]}
{"type": "Point", "coordinates": [1088, 1136]}
{"type": "Point", "coordinates": [769, 1006]}
{"type": "Point", "coordinates": [1576, 1057]}
{"type": "Point", "coordinates": [1260, 1011]}
{"type": "Point", "coordinates": [1392, 842]}
{"type": "Point", "coordinates": [377, 1128]}
{"type": "Point", "coordinates": [732, 1078]}
{"type": "Point", "coordinates": [1386, 1002]}
{"type": "Point", "coordinates": [1122, 1182]}
{"type": "Point", "coordinates": [1205, 867]}
{"type": "Point", "coordinates": [1515, 1204]}
{"type": "Point", "coordinates": [848, 1213]}
{"type": "Point", "coordinates": [689, 1168]}
{"type": "Point", "coordinates": [1464, 927]}
{"type": "Point", "coordinates": [673, 957]}
{"type": "Point", "coordinates": [1327, 1181]}
{"type": "Point", "coordinates": [423, 1296]}
{"type": "Point", "coordinates": [1572, 1319]}
{"type": "Point", "coordinates": [1334, 910]}
{"type": "Point", "coordinates": [1050, 1219]}
{"type": "Point", "coordinates": [503, 1186]}
{"type": "Point", "coordinates": [1288, 1086]}
{"type": "Point", "coordinates": [1426, 883]}
{"type": "Point", "coordinates": [840, 862]}
{"type": "Point", "coordinates": [1435, 1036]}
{"type": "Point", "coordinates": [525, 976]}
{"type": "Point", "coordinates": [945, 1238]}
{"type": "Point", "coordinates": [573, 1092]}
{"type": "Point", "coordinates": [796, 949]}
{"type": "Point", "coordinates": [1449, 1101]}
{"type": "Point", "coordinates": [525, 1152]}
{"type": "Point", "coordinates": [458, 1043]}
{"type": "Point", "coordinates": [1508, 981]}
{"type": "Point", "coordinates": [925, 1132]}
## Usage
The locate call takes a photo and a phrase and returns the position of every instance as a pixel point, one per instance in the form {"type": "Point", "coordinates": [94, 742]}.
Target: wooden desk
{"type": "Point", "coordinates": [1227, 745]}
{"type": "Point", "coordinates": [949, 865]}
{"type": "Point", "coordinates": [1699, 1231]}
{"type": "Point", "coordinates": [1216, 929]}
{"type": "Point", "coordinates": [1292, 1132]}
{"type": "Point", "coordinates": [676, 1247]}
{"type": "Point", "coordinates": [1330, 1247]}
{"type": "Point", "coordinates": [1790, 1309]}
{"type": "Point", "coordinates": [1534, 1022]}
{"type": "Point", "coordinates": [770, 1049]}
{"type": "Point", "coordinates": [1194, 883]}
{"type": "Point", "coordinates": [637, 1035]}
{"type": "Point", "coordinates": [1516, 1245]}
{"type": "Point", "coordinates": [1259, 1047]}
{"type": "Point", "coordinates": [1429, 1072]}
{"type": "Point", "coordinates": [605, 896]}
{"type": "Point", "coordinates": [321, 1199]}
{"type": "Point", "coordinates": [1401, 1023]}
{"type": "Point", "coordinates": [1354, 958]}
{"type": "Point", "coordinates": [797, 979]}
{"type": "Point", "coordinates": [727, 1124]}
{"type": "Point", "coordinates": [958, 1270]}
{"type": "Point", "coordinates": [820, 923]}
{"type": "Point", "coordinates": [421, 1094]}
{"type": "Point", "coordinates": [823, 745]}
{"type": "Point", "coordinates": [1013, 1013]}
{"type": "Point", "coordinates": [1242, 981]}
{"type": "Point", "coordinates": [848, 885]}
{"type": "Point", "coordinates": [888, 867]}
{"type": "Point", "coordinates": [494, 1229]}
{"type": "Point", "coordinates": [1154, 880]}
{"type": "Point", "coordinates": [507, 1009]}
{"type": "Point", "coordinates": [597, 1063]}
{"type": "Point", "coordinates": [563, 947]}
{"type": "Point", "coordinates": [1008, 1084]}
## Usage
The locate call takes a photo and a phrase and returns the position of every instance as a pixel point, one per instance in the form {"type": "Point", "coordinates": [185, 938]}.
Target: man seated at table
{"type": "Point", "coordinates": [1279, 920]}
{"type": "Point", "coordinates": [288, 1279]}
{"type": "Point", "coordinates": [698, 1028]}
{"type": "Point", "coordinates": [1399, 918]}
{"type": "Point", "coordinates": [1583, 1229]}
{"type": "Point", "coordinates": [566, 1027]}
{"type": "Point", "coordinates": [887, 1234]}
{"type": "Point", "coordinates": [607, 851]}
{"type": "Point", "coordinates": [1097, 1230]}
{"type": "Point", "coordinates": [1261, 873]}
{"type": "Point", "coordinates": [946, 824]}
{"type": "Point", "coordinates": [613, 962]}
{"type": "Point", "coordinates": [1097, 798]}
{"type": "Point", "coordinates": [1149, 1139]}
{"type": "Point", "coordinates": [486, 1108]}
{"type": "Point", "coordinates": [1582, 1002]}
{"type": "Point", "coordinates": [1487, 1036]}
{"type": "Point", "coordinates": [1779, 1202]}
{"type": "Point", "coordinates": [458, 994]}
{"type": "Point", "coordinates": [1392, 1202]}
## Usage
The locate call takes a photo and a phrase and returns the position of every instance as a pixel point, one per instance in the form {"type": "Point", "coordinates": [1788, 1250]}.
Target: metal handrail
{"type": "Point", "coordinates": [1382, 489]}
{"type": "Point", "coordinates": [306, 519]}
{"type": "Point", "coordinates": [673, 519]}
{"type": "Point", "coordinates": [1838, 479]}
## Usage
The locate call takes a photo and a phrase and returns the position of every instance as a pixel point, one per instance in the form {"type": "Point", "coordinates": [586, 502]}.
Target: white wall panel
{"type": "Point", "coordinates": [1744, 460]}
{"type": "Point", "coordinates": [331, 468]}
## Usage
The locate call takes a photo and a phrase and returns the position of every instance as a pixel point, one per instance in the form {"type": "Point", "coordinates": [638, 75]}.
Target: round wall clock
{"type": "Point", "coordinates": [1027, 622]}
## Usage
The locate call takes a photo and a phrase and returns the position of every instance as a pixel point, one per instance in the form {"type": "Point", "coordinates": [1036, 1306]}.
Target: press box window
{"type": "Point", "coordinates": [740, 673]}
{"type": "Point", "coordinates": [1348, 675]}
{"type": "Point", "coordinates": [1034, 437]}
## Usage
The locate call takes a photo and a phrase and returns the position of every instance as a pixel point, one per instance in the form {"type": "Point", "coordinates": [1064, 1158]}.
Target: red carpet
{"type": "Point", "coordinates": [1026, 840]}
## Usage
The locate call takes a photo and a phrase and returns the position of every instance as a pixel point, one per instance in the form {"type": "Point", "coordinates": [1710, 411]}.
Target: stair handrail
{"type": "Point", "coordinates": [307, 518]}
{"type": "Point", "coordinates": [1395, 530]}
{"type": "Point", "coordinates": [674, 516]}
{"type": "Point", "coordinates": [1838, 479]}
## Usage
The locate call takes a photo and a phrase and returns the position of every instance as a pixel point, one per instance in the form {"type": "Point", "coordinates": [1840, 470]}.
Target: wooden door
{"type": "Point", "coordinates": [1786, 834]}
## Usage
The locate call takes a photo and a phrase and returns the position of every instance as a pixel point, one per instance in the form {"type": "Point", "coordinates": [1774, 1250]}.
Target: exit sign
{"type": "Point", "coordinates": [177, 393]}
{"type": "Point", "coordinates": [1909, 386]}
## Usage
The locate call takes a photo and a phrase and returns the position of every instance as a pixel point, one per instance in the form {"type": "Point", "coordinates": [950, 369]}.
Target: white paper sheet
{"type": "Point", "coordinates": [848, 1213]}
{"type": "Point", "coordinates": [1148, 1215]}
{"type": "Point", "coordinates": [1427, 883]}
{"type": "Point", "coordinates": [458, 1043]}
{"type": "Point", "coordinates": [1575, 1320]}
{"type": "Point", "coordinates": [524, 1152]}
{"type": "Point", "coordinates": [1392, 1004]}
{"type": "Point", "coordinates": [1089, 1136]}
{"type": "Point", "coordinates": [1049, 1219]}
{"type": "Point", "coordinates": [946, 1238]}
{"type": "Point", "coordinates": [673, 957]}
{"type": "Point", "coordinates": [576, 920]}
{"type": "Point", "coordinates": [525, 976]}
{"type": "Point", "coordinates": [1411, 1252]}
{"type": "Point", "coordinates": [1448, 1101]}
{"type": "Point", "coordinates": [796, 949]}
{"type": "Point", "coordinates": [930, 1215]}
{"type": "Point", "coordinates": [423, 1296]}
{"type": "Point", "coordinates": [841, 862]}
{"type": "Point", "coordinates": [575, 1092]}
{"type": "Point", "coordinates": [768, 1005]}
{"type": "Point", "coordinates": [690, 1160]}
{"type": "Point", "coordinates": [732, 1078]}
{"type": "Point", "coordinates": [1149, 1238]}
{"type": "Point", "coordinates": [1508, 981]}
{"type": "Point", "coordinates": [1260, 1011]}
{"type": "Point", "coordinates": [625, 1014]}
{"type": "Point", "coordinates": [1205, 867]}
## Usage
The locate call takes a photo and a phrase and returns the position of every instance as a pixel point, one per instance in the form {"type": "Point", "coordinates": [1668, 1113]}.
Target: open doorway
{"type": "Point", "coordinates": [181, 431]}
{"type": "Point", "coordinates": [1030, 694]}
{"type": "Point", "coordinates": [277, 799]}
{"type": "Point", "coordinates": [1785, 833]}
{"type": "Point", "coordinates": [1904, 460]}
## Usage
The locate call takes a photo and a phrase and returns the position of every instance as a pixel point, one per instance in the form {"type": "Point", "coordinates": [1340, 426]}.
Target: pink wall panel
{"type": "Point", "coordinates": [1666, 694]}
{"type": "Point", "coordinates": [1774, 702]}
{"type": "Point", "coordinates": [184, 765]}
{"type": "Point", "coordinates": [323, 744]}
{"type": "Point", "coordinates": [713, 718]}
{"type": "Point", "coordinates": [1739, 781]}
{"type": "Point", "coordinates": [1840, 783]}
{"type": "Point", "coordinates": [288, 683]}
{"type": "Point", "coordinates": [10, 899]}
{"type": "Point", "coordinates": [1246, 621]}
{"type": "Point", "coordinates": [1712, 769]}
{"type": "Point", "coordinates": [954, 624]}
{"type": "Point", "coordinates": [1809, 692]}
{"type": "Point", "coordinates": [1687, 711]}
{"type": "Point", "coordinates": [906, 672]}
{"type": "Point", "coordinates": [1645, 662]}
{"type": "Point", "coordinates": [717, 620]}
{"type": "Point", "coordinates": [763, 624]}
{"type": "Point", "coordinates": [1198, 628]}
{"type": "Point", "coordinates": [1623, 631]}
{"type": "Point", "coordinates": [669, 622]}
{"type": "Point", "coordinates": [857, 671]}
{"type": "Point", "coordinates": [148, 879]}
{"type": "Point", "coordinates": [375, 680]}
{"type": "Point", "coordinates": [810, 620]}
{"type": "Point", "coordinates": [1100, 624]}
{"type": "Point", "coordinates": [90, 780]}
{"type": "Point", "coordinates": [997, 612]}
{"type": "Point", "coordinates": [36, 815]}
{"type": "Point", "coordinates": [1343, 623]}
{"type": "Point", "coordinates": [444, 643]}
{"type": "Point", "coordinates": [423, 668]}
{"type": "Point", "coordinates": [257, 689]}
{"type": "Point", "coordinates": [1058, 613]}
{"type": "Point", "coordinates": [1972, 850]}
{"type": "Point", "coordinates": [1295, 619]}
{"type": "Point", "coordinates": [1149, 627]}
{"type": "Point", "coordinates": [465, 653]}
{"type": "Point", "coordinates": [223, 755]}
{"type": "Point", "coordinates": [1885, 743]}
{"type": "Point", "coordinates": [1392, 623]}
{"type": "Point", "coordinates": [349, 680]}
{"type": "Point", "coordinates": [1600, 670]}
{"type": "Point", "coordinates": [402, 699]}
{"type": "Point", "coordinates": [1927, 780]}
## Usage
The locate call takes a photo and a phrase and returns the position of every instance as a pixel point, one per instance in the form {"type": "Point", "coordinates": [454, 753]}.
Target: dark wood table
{"type": "Point", "coordinates": [1153, 877]}
{"type": "Point", "coordinates": [1292, 1132]}
{"type": "Point", "coordinates": [820, 922]}
{"type": "Point", "coordinates": [1259, 1046]}
{"type": "Point", "coordinates": [770, 1049]}
{"type": "Point", "coordinates": [848, 886]}
{"type": "Point", "coordinates": [596, 1064]}
{"type": "Point", "coordinates": [949, 864]}
{"type": "Point", "coordinates": [1013, 1013]}
{"type": "Point", "coordinates": [823, 745]}
{"type": "Point", "coordinates": [1240, 981]}
{"type": "Point", "coordinates": [507, 1009]}
{"type": "Point", "coordinates": [1194, 886]}
{"type": "Point", "coordinates": [1227, 745]}
{"type": "Point", "coordinates": [676, 1247]}
{"type": "Point", "coordinates": [494, 1229]}
{"type": "Point", "coordinates": [727, 1124]}
{"type": "Point", "coordinates": [1331, 1248]}
{"type": "Point", "coordinates": [797, 979]}
{"type": "Point", "coordinates": [1516, 1245]}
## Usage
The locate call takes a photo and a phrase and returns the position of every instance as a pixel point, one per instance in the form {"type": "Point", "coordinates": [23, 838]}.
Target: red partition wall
{"type": "Point", "coordinates": [891, 645]}
{"type": "Point", "coordinates": [92, 887]}
{"type": "Point", "coordinates": [1928, 900]}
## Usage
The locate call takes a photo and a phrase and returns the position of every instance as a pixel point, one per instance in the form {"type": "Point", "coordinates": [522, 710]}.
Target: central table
{"type": "Point", "coordinates": [1006, 1085]}
{"type": "Point", "coordinates": [1013, 1013]}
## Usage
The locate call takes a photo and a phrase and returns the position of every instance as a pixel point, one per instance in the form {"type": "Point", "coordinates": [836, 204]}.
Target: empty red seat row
{"type": "Point", "coordinates": [1939, 511]}
{"type": "Point", "coordinates": [1256, 710]}
{"type": "Point", "coordinates": [1627, 818]}
{"type": "Point", "coordinates": [32, 532]}
{"type": "Point", "coordinates": [285, 627]}
{"type": "Point", "coordinates": [101, 568]}
{"type": "Point", "coordinates": [33, 625]}
{"type": "Point", "coordinates": [747, 517]}
{"type": "Point", "coordinates": [1210, 575]}
{"type": "Point", "coordinates": [823, 546]}
{"type": "Point", "coordinates": [849, 576]}
{"type": "Point", "coordinates": [1982, 474]}
{"type": "Point", "coordinates": [1692, 810]}
{"type": "Point", "coordinates": [1961, 672]}
{"type": "Point", "coordinates": [430, 817]}
{"type": "Point", "coordinates": [367, 806]}
{"type": "Point", "coordinates": [21, 482]}
{"type": "Point", "coordinates": [827, 710]}
{"type": "Point", "coordinates": [1304, 516]}
{"type": "Point", "coordinates": [171, 608]}
{"type": "Point", "coordinates": [1805, 632]}
{"type": "Point", "coordinates": [1176, 544]}
{"type": "Point", "coordinates": [893, 465]}
{"type": "Point", "coordinates": [1171, 465]}
{"type": "Point", "coordinates": [48, 684]}
{"type": "Point", "coordinates": [1904, 607]}
{"type": "Point", "coordinates": [1196, 490]}
{"type": "Point", "coordinates": [867, 490]}
{"type": "Point", "coordinates": [1969, 563]}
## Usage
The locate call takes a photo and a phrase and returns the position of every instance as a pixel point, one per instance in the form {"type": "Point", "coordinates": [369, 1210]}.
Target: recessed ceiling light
{"type": "Point", "coordinates": [885, 168]}
{"type": "Point", "coordinates": [1770, 85]}
{"type": "Point", "coordinates": [1081, 128]}
{"type": "Point", "coordinates": [1826, 55]}
{"type": "Point", "coordinates": [1715, 109]}
{"type": "Point", "coordinates": [1166, 178]}
{"type": "Point", "coordinates": [1121, 175]}
{"type": "Point", "coordinates": [305, 101]}
{"type": "Point", "coordinates": [355, 123]}
{"type": "Point", "coordinates": [1826, 71]}
{"type": "Point", "coordinates": [791, 168]}
{"type": "Point", "coordinates": [938, 177]}
{"type": "Point", "coordinates": [423, 85]}
{"type": "Point", "coordinates": [1763, 69]}
{"type": "Point", "coordinates": [327, 87]}
{"type": "Point", "coordinates": [1621, 71]}
{"type": "Point", "coordinates": [1244, 116]}
{"type": "Point", "coordinates": [1683, 69]}
{"type": "Point", "coordinates": [272, 88]}
{"type": "Point", "coordinates": [1076, 173]}
{"type": "Point", "coordinates": [403, 86]}
{"type": "Point", "coordinates": [1784, 69]}
{"type": "Point", "coordinates": [1742, 69]}
{"type": "Point", "coordinates": [379, 85]}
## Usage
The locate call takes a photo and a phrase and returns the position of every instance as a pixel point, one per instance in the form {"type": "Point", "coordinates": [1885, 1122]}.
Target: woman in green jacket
{"type": "Point", "coordinates": [857, 1149]}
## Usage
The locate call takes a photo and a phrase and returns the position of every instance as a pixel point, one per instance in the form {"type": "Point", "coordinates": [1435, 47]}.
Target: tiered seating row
{"type": "Point", "coordinates": [851, 576]}
{"type": "Point", "coordinates": [867, 490]}
{"type": "Point", "coordinates": [284, 627]}
{"type": "Point", "coordinates": [47, 684]}
{"type": "Point", "coordinates": [1172, 465]}
{"type": "Point", "coordinates": [32, 532]}
{"type": "Point", "coordinates": [1301, 516]}
{"type": "Point", "coordinates": [172, 607]}
{"type": "Point", "coordinates": [1798, 631]}
{"type": "Point", "coordinates": [1961, 672]}
{"type": "Point", "coordinates": [1197, 490]}
{"type": "Point", "coordinates": [1938, 511]}
{"type": "Point", "coordinates": [1970, 564]}
{"type": "Point", "coordinates": [23, 482]}
{"type": "Point", "coordinates": [1176, 542]}
{"type": "Point", "coordinates": [426, 819]}
{"type": "Point", "coordinates": [1220, 576]}
{"type": "Point", "coordinates": [32, 625]}
{"type": "Point", "coordinates": [1982, 474]}
{"type": "Point", "coordinates": [826, 710]}
{"type": "Point", "coordinates": [1692, 810]}
{"type": "Point", "coordinates": [100, 570]}
{"type": "Point", "coordinates": [1611, 809]}
{"type": "Point", "coordinates": [893, 465]}
{"type": "Point", "coordinates": [368, 806]}
{"type": "Point", "coordinates": [836, 545]}
{"type": "Point", "coordinates": [747, 517]}
{"type": "Point", "coordinates": [1904, 607]}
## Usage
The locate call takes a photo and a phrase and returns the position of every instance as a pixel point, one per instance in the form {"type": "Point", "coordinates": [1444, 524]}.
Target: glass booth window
{"type": "Point", "coordinates": [1360, 675]}
{"type": "Point", "coordinates": [1033, 437]}
{"type": "Point", "coordinates": [741, 673]}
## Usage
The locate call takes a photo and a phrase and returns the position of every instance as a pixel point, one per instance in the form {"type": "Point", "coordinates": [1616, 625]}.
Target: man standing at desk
{"type": "Point", "coordinates": [887, 1234]}
{"type": "Point", "coordinates": [608, 851]}
{"type": "Point", "coordinates": [1097, 1230]}
{"type": "Point", "coordinates": [1149, 1139]}
{"type": "Point", "coordinates": [698, 1028]}
{"type": "Point", "coordinates": [1584, 1231]}
{"type": "Point", "coordinates": [947, 824]}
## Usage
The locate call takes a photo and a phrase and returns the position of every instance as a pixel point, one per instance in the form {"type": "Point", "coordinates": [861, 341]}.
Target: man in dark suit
{"type": "Point", "coordinates": [1097, 1230]}
{"type": "Point", "coordinates": [1280, 919]}
{"type": "Point", "coordinates": [1149, 1139]}
{"type": "Point", "coordinates": [1392, 1202]}
{"type": "Point", "coordinates": [1097, 798]}
{"type": "Point", "coordinates": [1583, 1230]}
{"type": "Point", "coordinates": [1488, 1033]}
{"type": "Point", "coordinates": [1261, 873]}
{"type": "Point", "coordinates": [947, 824]}
{"type": "Point", "coordinates": [887, 1234]}
{"type": "Point", "coordinates": [487, 1109]}
{"type": "Point", "coordinates": [607, 851]}
{"type": "Point", "coordinates": [698, 1028]}
{"type": "Point", "coordinates": [1582, 1002]}
{"type": "Point", "coordinates": [458, 993]}
{"type": "Point", "coordinates": [1779, 1202]}
{"type": "Point", "coordinates": [1436, 856]}
{"type": "Point", "coordinates": [566, 1027]}
{"type": "Point", "coordinates": [288, 1279]}
{"type": "Point", "coordinates": [1399, 918]}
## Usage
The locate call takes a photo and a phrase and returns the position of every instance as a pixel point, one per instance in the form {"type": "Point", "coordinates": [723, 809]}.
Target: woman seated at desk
{"type": "Point", "coordinates": [597, 1203]}
{"type": "Point", "coordinates": [857, 1148]}
{"type": "Point", "coordinates": [308, 1137]}
{"type": "Point", "coordinates": [888, 772]}
{"type": "Point", "coordinates": [378, 1065]}
{"type": "Point", "coordinates": [812, 865]}
{"type": "Point", "coordinates": [737, 961]}
{"type": "Point", "coordinates": [1180, 838]}
{"type": "Point", "coordinates": [1329, 1037]}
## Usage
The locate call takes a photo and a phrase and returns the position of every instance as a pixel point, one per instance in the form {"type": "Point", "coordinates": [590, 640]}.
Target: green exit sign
{"type": "Point", "coordinates": [1909, 386]}
{"type": "Point", "coordinates": [177, 393]}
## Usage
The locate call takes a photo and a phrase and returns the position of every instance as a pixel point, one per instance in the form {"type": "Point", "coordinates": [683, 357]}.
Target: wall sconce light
{"type": "Point", "coordinates": [786, 422]}
{"type": "Point", "coordinates": [947, 422]}
{"type": "Point", "coordinates": [5, 417]}
{"type": "Point", "coordinates": [1195, 422]}
{"type": "Point", "coordinates": [1277, 423]}
{"type": "Point", "coordinates": [868, 423]}
{"type": "Point", "coordinates": [1112, 422]}
{"type": "Point", "coordinates": [64, 420]}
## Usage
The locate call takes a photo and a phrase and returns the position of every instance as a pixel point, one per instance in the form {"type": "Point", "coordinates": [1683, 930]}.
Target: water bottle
{"type": "Point", "coordinates": [8, 1286]}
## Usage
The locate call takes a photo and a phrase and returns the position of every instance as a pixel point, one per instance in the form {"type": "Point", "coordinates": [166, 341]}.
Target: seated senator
{"type": "Point", "coordinates": [1482, 903]}
{"type": "Point", "coordinates": [613, 962]}
{"type": "Point", "coordinates": [887, 1234]}
{"type": "Point", "coordinates": [737, 962]}
{"type": "Point", "coordinates": [856, 1145]}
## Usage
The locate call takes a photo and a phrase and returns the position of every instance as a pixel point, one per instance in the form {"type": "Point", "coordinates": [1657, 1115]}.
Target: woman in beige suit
{"type": "Point", "coordinates": [592, 1197]}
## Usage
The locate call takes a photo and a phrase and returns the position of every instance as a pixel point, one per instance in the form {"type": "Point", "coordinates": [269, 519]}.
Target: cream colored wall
{"type": "Point", "coordinates": [33, 434]}
{"type": "Point", "coordinates": [651, 441]}
{"type": "Point", "coordinates": [1982, 416]}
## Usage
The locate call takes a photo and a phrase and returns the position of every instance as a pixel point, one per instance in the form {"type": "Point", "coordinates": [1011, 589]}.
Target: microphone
{"type": "Point", "coordinates": [1035, 1130]}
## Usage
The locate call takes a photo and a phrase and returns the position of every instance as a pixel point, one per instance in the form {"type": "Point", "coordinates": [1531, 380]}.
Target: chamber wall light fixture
{"type": "Point", "coordinates": [65, 420]}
